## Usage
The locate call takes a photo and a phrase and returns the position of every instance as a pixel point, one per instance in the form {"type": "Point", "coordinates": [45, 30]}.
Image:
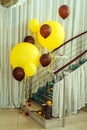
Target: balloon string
{"type": "Point", "coordinates": [53, 62]}
{"type": "Point", "coordinates": [24, 90]}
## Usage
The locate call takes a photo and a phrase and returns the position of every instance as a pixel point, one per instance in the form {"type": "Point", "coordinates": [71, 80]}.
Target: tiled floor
{"type": "Point", "coordinates": [13, 120]}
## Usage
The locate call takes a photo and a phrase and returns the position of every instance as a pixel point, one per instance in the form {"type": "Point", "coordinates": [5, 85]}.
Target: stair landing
{"type": "Point", "coordinates": [53, 122]}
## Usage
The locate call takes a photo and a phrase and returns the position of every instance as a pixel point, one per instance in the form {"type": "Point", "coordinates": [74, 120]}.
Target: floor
{"type": "Point", "coordinates": [12, 119]}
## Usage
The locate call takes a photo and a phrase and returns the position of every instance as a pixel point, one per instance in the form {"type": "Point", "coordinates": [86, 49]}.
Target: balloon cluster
{"type": "Point", "coordinates": [24, 59]}
{"type": "Point", "coordinates": [50, 34]}
{"type": "Point", "coordinates": [25, 56]}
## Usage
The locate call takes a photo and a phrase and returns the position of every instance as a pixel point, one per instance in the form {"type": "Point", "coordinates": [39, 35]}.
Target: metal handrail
{"type": "Point", "coordinates": [60, 69]}
{"type": "Point", "coordinates": [70, 40]}
{"type": "Point", "coordinates": [63, 67]}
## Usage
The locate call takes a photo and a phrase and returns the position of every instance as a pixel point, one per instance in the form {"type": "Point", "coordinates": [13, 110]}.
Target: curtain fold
{"type": "Point", "coordinates": [13, 21]}
{"type": "Point", "coordinates": [75, 92]}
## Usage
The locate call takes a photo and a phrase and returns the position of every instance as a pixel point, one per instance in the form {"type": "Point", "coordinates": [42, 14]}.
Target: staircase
{"type": "Point", "coordinates": [75, 66]}
{"type": "Point", "coordinates": [45, 93]}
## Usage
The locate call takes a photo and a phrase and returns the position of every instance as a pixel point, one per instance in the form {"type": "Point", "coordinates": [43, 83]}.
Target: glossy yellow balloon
{"type": "Point", "coordinates": [55, 39]}
{"type": "Point", "coordinates": [30, 69]}
{"type": "Point", "coordinates": [34, 25]}
{"type": "Point", "coordinates": [23, 53]}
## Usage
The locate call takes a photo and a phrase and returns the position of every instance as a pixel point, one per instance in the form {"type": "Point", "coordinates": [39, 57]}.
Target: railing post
{"type": "Point", "coordinates": [63, 113]}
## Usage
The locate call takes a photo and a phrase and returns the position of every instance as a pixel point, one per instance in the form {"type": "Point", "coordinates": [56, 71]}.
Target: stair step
{"type": "Point", "coordinates": [40, 97]}
{"type": "Point", "coordinates": [82, 61]}
{"type": "Point", "coordinates": [74, 66]}
{"type": "Point", "coordinates": [37, 98]}
{"type": "Point", "coordinates": [45, 96]}
{"type": "Point", "coordinates": [45, 93]}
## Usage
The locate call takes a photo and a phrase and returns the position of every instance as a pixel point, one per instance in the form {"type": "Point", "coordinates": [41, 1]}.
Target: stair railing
{"type": "Point", "coordinates": [70, 40]}
{"type": "Point", "coordinates": [73, 58]}
{"type": "Point", "coordinates": [69, 63]}
{"type": "Point", "coordinates": [66, 65]}
{"type": "Point", "coordinates": [76, 44]}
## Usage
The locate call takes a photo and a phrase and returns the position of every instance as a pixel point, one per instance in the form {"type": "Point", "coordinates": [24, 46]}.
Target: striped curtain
{"type": "Point", "coordinates": [13, 29]}
{"type": "Point", "coordinates": [75, 92]}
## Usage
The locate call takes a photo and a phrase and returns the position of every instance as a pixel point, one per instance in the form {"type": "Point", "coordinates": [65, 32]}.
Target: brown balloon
{"type": "Point", "coordinates": [45, 60]}
{"type": "Point", "coordinates": [18, 73]}
{"type": "Point", "coordinates": [64, 11]}
{"type": "Point", "coordinates": [45, 30]}
{"type": "Point", "coordinates": [29, 39]}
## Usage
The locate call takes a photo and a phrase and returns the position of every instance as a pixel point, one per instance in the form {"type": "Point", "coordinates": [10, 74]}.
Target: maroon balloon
{"type": "Point", "coordinates": [29, 39]}
{"type": "Point", "coordinates": [45, 60]}
{"type": "Point", "coordinates": [64, 11]}
{"type": "Point", "coordinates": [45, 30]}
{"type": "Point", "coordinates": [18, 73]}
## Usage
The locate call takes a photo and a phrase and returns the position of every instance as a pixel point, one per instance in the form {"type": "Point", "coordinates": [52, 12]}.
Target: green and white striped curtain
{"type": "Point", "coordinates": [13, 29]}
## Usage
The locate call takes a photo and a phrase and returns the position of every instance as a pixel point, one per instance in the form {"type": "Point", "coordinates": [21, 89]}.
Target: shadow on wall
{"type": "Point", "coordinates": [7, 3]}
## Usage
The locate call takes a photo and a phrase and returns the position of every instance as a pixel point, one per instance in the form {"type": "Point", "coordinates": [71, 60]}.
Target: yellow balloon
{"type": "Point", "coordinates": [24, 53]}
{"type": "Point", "coordinates": [30, 69]}
{"type": "Point", "coordinates": [34, 25]}
{"type": "Point", "coordinates": [55, 39]}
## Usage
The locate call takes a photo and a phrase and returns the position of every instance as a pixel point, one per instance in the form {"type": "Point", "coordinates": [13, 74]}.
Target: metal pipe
{"type": "Point", "coordinates": [64, 98]}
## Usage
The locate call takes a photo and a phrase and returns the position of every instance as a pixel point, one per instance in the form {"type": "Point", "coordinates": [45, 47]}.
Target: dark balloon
{"type": "Point", "coordinates": [45, 30]}
{"type": "Point", "coordinates": [45, 60]}
{"type": "Point", "coordinates": [64, 11]}
{"type": "Point", "coordinates": [29, 39]}
{"type": "Point", "coordinates": [18, 73]}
